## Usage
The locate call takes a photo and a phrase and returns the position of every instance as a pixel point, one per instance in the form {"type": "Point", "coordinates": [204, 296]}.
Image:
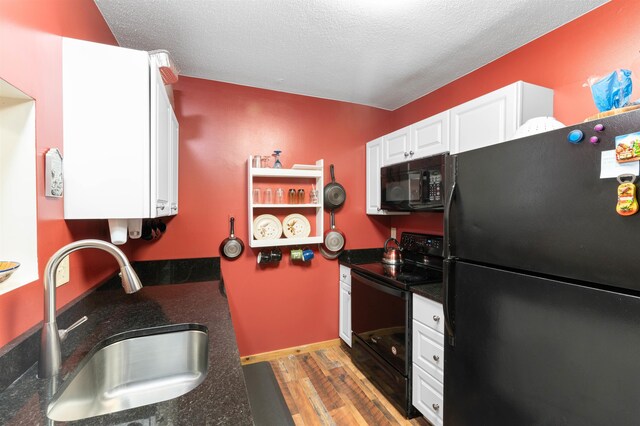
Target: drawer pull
{"type": "Point", "coordinates": [436, 318]}
{"type": "Point", "coordinates": [435, 406]}
{"type": "Point", "coordinates": [436, 358]}
{"type": "Point", "coordinates": [344, 276]}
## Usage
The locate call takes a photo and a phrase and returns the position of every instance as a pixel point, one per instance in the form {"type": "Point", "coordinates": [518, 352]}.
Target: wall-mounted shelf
{"type": "Point", "coordinates": [303, 176]}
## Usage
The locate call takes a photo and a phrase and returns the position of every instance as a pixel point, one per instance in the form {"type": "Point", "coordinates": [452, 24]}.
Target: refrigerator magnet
{"type": "Point", "coordinates": [628, 147]}
{"type": "Point", "coordinates": [627, 202]}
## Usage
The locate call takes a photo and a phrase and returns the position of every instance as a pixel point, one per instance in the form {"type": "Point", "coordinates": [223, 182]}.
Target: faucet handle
{"type": "Point", "coordinates": [64, 333]}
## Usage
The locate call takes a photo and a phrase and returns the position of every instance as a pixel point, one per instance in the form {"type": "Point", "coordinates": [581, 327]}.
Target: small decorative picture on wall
{"type": "Point", "coordinates": [53, 174]}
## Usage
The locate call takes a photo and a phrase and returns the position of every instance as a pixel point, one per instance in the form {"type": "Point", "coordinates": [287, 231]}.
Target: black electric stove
{"type": "Point", "coordinates": [422, 262]}
{"type": "Point", "coordinates": [381, 311]}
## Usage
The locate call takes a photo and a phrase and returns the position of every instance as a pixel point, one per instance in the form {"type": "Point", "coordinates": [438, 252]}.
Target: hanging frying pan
{"type": "Point", "coordinates": [334, 193]}
{"type": "Point", "coordinates": [231, 247]}
{"type": "Point", "coordinates": [333, 238]}
{"type": "Point", "coordinates": [328, 254]}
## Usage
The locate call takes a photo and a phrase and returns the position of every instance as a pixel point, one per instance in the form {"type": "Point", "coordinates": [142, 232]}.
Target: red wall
{"type": "Point", "coordinates": [30, 59]}
{"type": "Point", "coordinates": [220, 126]}
{"type": "Point", "coordinates": [594, 44]}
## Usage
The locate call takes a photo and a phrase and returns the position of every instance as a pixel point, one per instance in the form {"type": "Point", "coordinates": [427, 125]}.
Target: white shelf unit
{"type": "Point", "coordinates": [314, 174]}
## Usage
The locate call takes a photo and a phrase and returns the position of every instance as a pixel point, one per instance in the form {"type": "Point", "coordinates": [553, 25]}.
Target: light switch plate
{"type": "Point", "coordinates": [393, 232]}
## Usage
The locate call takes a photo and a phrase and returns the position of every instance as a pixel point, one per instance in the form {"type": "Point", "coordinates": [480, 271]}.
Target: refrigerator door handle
{"type": "Point", "coordinates": [453, 172]}
{"type": "Point", "coordinates": [448, 283]}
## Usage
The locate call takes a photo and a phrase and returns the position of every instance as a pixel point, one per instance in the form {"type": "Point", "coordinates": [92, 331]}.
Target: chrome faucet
{"type": "Point", "coordinates": [50, 357]}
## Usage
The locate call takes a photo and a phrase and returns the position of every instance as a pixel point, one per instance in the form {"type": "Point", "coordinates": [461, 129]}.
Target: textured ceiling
{"type": "Point", "coordinates": [382, 53]}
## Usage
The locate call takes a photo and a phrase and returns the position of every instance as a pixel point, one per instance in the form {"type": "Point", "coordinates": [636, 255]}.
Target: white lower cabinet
{"type": "Point", "coordinates": [427, 396]}
{"type": "Point", "coordinates": [345, 304]}
{"type": "Point", "coordinates": [428, 358]}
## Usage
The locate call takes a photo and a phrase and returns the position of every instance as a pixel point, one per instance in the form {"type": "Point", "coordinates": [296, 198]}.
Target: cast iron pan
{"type": "Point", "coordinates": [231, 247]}
{"type": "Point", "coordinates": [334, 193]}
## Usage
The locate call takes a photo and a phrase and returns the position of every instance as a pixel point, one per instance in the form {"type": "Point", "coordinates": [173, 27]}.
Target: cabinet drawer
{"type": "Point", "coordinates": [428, 351]}
{"type": "Point", "coordinates": [345, 274]}
{"type": "Point", "coordinates": [427, 396]}
{"type": "Point", "coordinates": [428, 312]}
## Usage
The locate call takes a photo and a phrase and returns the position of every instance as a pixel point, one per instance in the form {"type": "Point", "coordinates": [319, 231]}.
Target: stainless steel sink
{"type": "Point", "coordinates": [134, 369]}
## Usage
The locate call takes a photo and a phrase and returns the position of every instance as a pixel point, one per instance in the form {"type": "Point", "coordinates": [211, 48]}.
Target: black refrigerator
{"type": "Point", "coordinates": [542, 285]}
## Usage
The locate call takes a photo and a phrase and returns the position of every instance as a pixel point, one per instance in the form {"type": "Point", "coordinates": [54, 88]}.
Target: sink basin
{"type": "Point", "coordinates": [132, 369]}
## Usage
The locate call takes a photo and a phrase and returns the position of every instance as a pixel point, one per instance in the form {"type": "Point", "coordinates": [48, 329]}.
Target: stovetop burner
{"type": "Point", "coordinates": [405, 273]}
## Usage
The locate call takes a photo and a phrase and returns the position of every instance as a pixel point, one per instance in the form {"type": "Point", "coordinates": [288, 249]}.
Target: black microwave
{"type": "Point", "coordinates": [416, 185]}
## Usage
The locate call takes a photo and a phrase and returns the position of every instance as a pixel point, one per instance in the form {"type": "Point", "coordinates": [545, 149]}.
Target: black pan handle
{"type": "Point", "coordinates": [333, 177]}
{"type": "Point", "coordinates": [232, 227]}
{"type": "Point", "coordinates": [448, 288]}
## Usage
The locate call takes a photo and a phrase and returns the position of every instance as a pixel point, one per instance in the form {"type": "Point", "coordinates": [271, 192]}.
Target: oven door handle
{"type": "Point", "coordinates": [378, 286]}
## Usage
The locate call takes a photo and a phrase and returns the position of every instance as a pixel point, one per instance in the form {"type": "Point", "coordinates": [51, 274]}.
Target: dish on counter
{"type": "Point", "coordinates": [267, 227]}
{"type": "Point", "coordinates": [296, 226]}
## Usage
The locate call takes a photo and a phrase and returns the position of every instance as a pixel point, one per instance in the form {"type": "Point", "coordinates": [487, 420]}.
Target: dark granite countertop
{"type": "Point", "coordinates": [221, 399]}
{"type": "Point", "coordinates": [431, 291]}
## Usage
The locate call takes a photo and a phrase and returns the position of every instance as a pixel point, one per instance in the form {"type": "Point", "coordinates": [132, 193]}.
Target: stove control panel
{"type": "Point", "coordinates": [422, 243]}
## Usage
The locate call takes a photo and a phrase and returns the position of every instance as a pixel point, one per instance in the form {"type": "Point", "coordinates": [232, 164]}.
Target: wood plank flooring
{"type": "Point", "coordinates": [323, 387]}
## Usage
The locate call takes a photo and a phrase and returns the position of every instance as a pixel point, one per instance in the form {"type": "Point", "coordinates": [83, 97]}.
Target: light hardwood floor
{"type": "Point", "coordinates": [323, 387]}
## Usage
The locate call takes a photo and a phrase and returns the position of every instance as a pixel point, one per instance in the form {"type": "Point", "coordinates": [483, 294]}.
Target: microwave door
{"type": "Point", "coordinates": [414, 183]}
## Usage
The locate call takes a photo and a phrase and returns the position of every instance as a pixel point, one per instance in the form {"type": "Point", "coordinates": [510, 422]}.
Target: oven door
{"type": "Point", "coordinates": [379, 316]}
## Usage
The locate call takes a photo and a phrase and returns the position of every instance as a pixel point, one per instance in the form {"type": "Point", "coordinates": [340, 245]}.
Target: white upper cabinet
{"type": "Point", "coordinates": [120, 134]}
{"type": "Point", "coordinates": [374, 163]}
{"type": "Point", "coordinates": [396, 146]}
{"type": "Point", "coordinates": [422, 139]}
{"type": "Point", "coordinates": [430, 136]}
{"type": "Point", "coordinates": [494, 117]}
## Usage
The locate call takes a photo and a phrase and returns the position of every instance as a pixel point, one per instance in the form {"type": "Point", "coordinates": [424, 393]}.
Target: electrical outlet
{"type": "Point", "coordinates": [62, 273]}
{"type": "Point", "coordinates": [393, 232]}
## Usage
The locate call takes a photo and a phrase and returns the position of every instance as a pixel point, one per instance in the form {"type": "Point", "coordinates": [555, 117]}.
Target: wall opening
{"type": "Point", "coordinates": [18, 214]}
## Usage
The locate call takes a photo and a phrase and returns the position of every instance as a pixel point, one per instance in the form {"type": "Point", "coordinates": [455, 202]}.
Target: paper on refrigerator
{"type": "Point", "coordinates": [610, 168]}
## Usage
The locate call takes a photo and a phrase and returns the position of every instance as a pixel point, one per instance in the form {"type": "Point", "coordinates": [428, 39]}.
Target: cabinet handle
{"type": "Point", "coordinates": [436, 318]}
{"type": "Point", "coordinates": [349, 292]}
{"type": "Point", "coordinates": [406, 154]}
{"type": "Point", "coordinates": [344, 276]}
{"type": "Point", "coordinates": [161, 207]}
{"type": "Point", "coordinates": [436, 358]}
{"type": "Point", "coordinates": [411, 152]}
{"type": "Point", "coordinates": [174, 207]}
{"type": "Point", "coordinates": [435, 406]}
{"type": "Point", "coordinates": [379, 209]}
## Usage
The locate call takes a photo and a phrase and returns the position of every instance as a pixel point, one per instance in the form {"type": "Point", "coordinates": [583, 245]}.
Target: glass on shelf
{"type": "Point", "coordinates": [279, 196]}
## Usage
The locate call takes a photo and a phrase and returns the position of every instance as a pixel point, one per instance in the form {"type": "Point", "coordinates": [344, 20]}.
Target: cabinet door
{"type": "Point", "coordinates": [430, 136]}
{"type": "Point", "coordinates": [345, 312]}
{"type": "Point", "coordinates": [484, 121]}
{"type": "Point", "coordinates": [161, 123]}
{"type": "Point", "coordinates": [106, 124]}
{"type": "Point", "coordinates": [396, 146]}
{"type": "Point", "coordinates": [174, 134]}
{"type": "Point", "coordinates": [374, 163]}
